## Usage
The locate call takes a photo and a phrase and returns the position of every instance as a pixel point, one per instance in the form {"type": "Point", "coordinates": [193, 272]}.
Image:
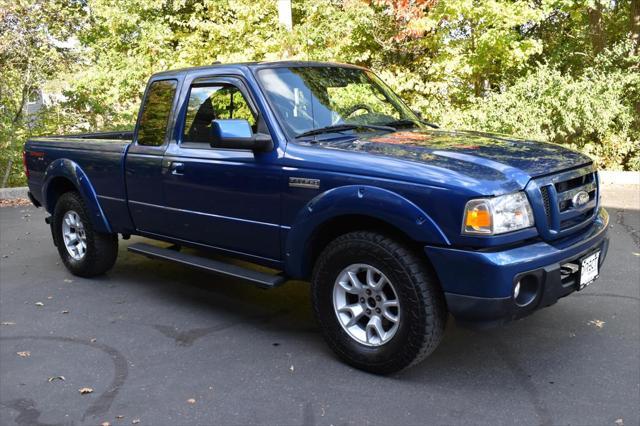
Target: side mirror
{"type": "Point", "coordinates": [237, 134]}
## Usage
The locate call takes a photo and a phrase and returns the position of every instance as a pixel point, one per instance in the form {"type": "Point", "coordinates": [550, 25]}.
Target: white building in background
{"type": "Point", "coordinates": [38, 100]}
{"type": "Point", "coordinates": [34, 104]}
{"type": "Point", "coordinates": [41, 98]}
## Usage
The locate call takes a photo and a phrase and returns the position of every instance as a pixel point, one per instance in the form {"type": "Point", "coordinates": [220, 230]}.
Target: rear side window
{"type": "Point", "coordinates": [155, 114]}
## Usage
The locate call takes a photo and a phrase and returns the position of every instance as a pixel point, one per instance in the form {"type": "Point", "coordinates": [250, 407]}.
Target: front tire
{"type": "Point", "coordinates": [84, 251]}
{"type": "Point", "coordinates": [379, 306]}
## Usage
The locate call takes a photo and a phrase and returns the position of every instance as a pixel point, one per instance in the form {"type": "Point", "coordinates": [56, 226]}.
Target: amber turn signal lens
{"type": "Point", "coordinates": [478, 219]}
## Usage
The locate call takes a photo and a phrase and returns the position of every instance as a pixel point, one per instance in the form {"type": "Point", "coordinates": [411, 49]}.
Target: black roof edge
{"type": "Point", "coordinates": [258, 65]}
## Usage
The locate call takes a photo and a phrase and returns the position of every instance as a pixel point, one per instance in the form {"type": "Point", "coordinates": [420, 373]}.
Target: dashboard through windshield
{"type": "Point", "coordinates": [310, 98]}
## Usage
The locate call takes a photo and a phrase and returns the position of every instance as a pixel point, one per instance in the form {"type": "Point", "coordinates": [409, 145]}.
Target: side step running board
{"type": "Point", "coordinates": [258, 278]}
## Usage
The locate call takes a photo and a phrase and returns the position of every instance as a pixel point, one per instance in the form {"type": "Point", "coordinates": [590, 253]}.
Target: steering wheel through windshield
{"type": "Point", "coordinates": [357, 107]}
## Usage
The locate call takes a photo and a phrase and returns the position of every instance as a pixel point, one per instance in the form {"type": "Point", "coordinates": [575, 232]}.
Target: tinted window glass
{"type": "Point", "coordinates": [155, 115]}
{"type": "Point", "coordinates": [219, 101]}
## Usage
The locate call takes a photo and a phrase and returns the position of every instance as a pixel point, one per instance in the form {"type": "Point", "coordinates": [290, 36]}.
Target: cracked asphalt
{"type": "Point", "coordinates": [160, 344]}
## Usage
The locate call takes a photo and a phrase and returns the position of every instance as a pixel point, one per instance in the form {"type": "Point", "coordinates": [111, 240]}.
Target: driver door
{"type": "Point", "coordinates": [223, 198]}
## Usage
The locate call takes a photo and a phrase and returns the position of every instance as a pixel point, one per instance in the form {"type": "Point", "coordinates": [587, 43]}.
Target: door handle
{"type": "Point", "coordinates": [177, 169]}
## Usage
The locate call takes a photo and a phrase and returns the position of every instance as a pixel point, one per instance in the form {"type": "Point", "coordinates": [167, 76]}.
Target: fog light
{"type": "Point", "coordinates": [526, 290]}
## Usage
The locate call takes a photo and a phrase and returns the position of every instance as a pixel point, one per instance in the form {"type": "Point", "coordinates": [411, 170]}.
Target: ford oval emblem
{"type": "Point", "coordinates": [580, 199]}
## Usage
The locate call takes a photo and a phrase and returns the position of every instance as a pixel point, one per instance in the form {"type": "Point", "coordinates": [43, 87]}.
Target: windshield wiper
{"type": "Point", "coordinates": [405, 122]}
{"type": "Point", "coordinates": [343, 127]}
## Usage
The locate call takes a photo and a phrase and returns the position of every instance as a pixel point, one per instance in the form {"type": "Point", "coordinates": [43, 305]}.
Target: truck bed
{"type": "Point", "coordinates": [99, 155]}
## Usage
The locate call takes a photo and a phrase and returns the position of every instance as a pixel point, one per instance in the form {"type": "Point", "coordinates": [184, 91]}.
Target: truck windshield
{"type": "Point", "coordinates": [307, 99]}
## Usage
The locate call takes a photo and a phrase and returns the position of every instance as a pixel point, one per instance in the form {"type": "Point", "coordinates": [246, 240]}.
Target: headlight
{"type": "Point", "coordinates": [490, 216]}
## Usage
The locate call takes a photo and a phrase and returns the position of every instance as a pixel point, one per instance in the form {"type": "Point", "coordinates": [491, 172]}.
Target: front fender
{"type": "Point", "coordinates": [361, 200]}
{"type": "Point", "coordinates": [64, 168]}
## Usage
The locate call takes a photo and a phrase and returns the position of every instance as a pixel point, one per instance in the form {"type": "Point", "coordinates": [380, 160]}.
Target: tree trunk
{"type": "Point", "coordinates": [634, 24]}
{"type": "Point", "coordinates": [477, 86]}
{"type": "Point", "coordinates": [7, 173]}
{"type": "Point", "coordinates": [634, 29]}
{"type": "Point", "coordinates": [596, 28]}
{"type": "Point", "coordinates": [23, 100]}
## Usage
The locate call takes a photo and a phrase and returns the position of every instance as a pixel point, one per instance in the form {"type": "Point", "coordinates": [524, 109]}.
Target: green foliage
{"type": "Point", "coordinates": [32, 53]}
{"type": "Point", "coordinates": [563, 71]}
{"type": "Point", "coordinates": [593, 113]}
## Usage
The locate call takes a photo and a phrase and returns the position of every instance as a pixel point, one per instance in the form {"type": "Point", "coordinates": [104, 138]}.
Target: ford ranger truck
{"type": "Point", "coordinates": [321, 173]}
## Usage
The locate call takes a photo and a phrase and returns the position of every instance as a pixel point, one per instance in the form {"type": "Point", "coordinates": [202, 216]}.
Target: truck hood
{"type": "Point", "coordinates": [467, 152]}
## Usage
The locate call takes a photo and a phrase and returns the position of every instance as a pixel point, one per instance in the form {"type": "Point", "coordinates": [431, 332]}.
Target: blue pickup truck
{"type": "Point", "coordinates": [320, 172]}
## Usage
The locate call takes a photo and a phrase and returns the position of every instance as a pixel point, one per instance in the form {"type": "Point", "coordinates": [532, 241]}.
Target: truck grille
{"type": "Point", "coordinates": [563, 210]}
{"type": "Point", "coordinates": [546, 201]}
{"type": "Point", "coordinates": [567, 189]}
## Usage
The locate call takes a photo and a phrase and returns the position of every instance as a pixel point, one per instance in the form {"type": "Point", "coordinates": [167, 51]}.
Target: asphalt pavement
{"type": "Point", "coordinates": [154, 343]}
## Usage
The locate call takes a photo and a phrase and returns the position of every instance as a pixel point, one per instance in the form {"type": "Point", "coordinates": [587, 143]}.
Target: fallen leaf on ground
{"type": "Point", "coordinates": [24, 354]}
{"type": "Point", "coordinates": [84, 391]}
{"type": "Point", "coordinates": [135, 421]}
{"type": "Point", "coordinates": [597, 323]}
{"type": "Point", "coordinates": [53, 379]}
{"type": "Point", "coordinates": [191, 401]}
{"type": "Point", "coordinates": [39, 304]}
{"type": "Point", "coordinates": [14, 202]}
{"type": "Point", "coordinates": [8, 323]}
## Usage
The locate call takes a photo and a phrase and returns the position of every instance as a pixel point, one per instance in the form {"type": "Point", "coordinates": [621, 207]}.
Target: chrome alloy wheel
{"type": "Point", "coordinates": [75, 239]}
{"type": "Point", "coordinates": [366, 304]}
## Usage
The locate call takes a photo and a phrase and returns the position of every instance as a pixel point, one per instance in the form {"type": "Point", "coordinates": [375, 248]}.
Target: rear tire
{"type": "Point", "coordinates": [84, 251]}
{"type": "Point", "coordinates": [367, 271]}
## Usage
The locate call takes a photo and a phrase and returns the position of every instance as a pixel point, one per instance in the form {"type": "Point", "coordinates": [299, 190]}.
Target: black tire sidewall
{"type": "Point", "coordinates": [398, 351]}
{"type": "Point", "coordinates": [85, 266]}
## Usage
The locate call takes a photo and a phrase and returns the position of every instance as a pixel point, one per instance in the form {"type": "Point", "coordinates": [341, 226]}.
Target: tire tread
{"type": "Point", "coordinates": [430, 322]}
{"type": "Point", "coordinates": [102, 248]}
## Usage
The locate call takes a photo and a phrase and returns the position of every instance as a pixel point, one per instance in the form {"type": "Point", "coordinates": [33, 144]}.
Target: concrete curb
{"type": "Point", "coordinates": [619, 178]}
{"type": "Point", "coordinates": [13, 193]}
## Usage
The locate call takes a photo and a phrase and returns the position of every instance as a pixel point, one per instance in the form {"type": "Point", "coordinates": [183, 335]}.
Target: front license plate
{"type": "Point", "coordinates": [589, 269]}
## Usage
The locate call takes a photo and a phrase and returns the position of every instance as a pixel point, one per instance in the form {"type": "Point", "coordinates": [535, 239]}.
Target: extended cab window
{"type": "Point", "coordinates": [155, 113]}
{"type": "Point", "coordinates": [208, 102]}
